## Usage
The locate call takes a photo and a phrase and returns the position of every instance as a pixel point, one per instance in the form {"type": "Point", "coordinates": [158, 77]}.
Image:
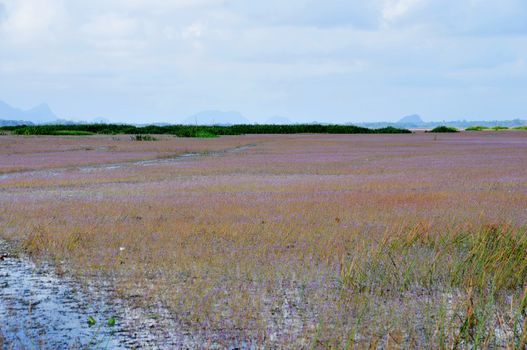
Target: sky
{"type": "Point", "coordinates": [339, 61]}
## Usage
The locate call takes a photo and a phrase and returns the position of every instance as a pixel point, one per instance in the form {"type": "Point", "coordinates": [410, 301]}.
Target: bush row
{"type": "Point", "coordinates": [196, 131]}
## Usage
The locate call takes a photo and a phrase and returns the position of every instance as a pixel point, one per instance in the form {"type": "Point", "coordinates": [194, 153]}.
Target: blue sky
{"type": "Point", "coordinates": [334, 60]}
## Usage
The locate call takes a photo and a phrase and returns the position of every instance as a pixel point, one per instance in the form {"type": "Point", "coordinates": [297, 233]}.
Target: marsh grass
{"type": "Point", "coordinates": [491, 258]}
{"type": "Point", "coordinates": [483, 268]}
{"type": "Point", "coordinates": [302, 241]}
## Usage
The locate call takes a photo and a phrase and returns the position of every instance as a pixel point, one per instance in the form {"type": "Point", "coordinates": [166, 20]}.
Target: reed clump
{"type": "Point", "coordinates": [492, 257]}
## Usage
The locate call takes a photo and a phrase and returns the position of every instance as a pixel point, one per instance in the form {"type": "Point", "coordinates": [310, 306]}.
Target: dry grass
{"type": "Point", "coordinates": [325, 241]}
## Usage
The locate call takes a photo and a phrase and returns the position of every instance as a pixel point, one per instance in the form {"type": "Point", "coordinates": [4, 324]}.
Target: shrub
{"type": "Point", "coordinates": [143, 138]}
{"type": "Point", "coordinates": [499, 127]}
{"type": "Point", "coordinates": [444, 128]}
{"type": "Point", "coordinates": [198, 131]}
{"type": "Point", "coordinates": [522, 127]}
{"type": "Point", "coordinates": [204, 134]}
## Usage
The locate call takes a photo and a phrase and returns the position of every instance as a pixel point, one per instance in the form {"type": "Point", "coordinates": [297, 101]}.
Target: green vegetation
{"type": "Point", "coordinates": [482, 265]}
{"type": "Point", "coordinates": [444, 128]}
{"type": "Point", "coordinates": [196, 131]}
{"type": "Point", "coordinates": [477, 128]}
{"type": "Point", "coordinates": [522, 127]}
{"type": "Point", "coordinates": [60, 130]}
{"type": "Point", "coordinates": [91, 321]}
{"type": "Point", "coordinates": [490, 259]}
{"type": "Point", "coordinates": [204, 134]}
{"type": "Point", "coordinates": [96, 342]}
{"type": "Point", "coordinates": [499, 127]}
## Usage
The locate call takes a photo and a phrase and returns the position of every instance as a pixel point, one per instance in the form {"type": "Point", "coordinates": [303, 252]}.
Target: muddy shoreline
{"type": "Point", "coordinates": [41, 310]}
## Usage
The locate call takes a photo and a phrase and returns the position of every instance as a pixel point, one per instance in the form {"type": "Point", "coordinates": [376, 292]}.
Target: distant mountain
{"type": "Point", "coordinates": [65, 122]}
{"type": "Point", "coordinates": [455, 123]}
{"type": "Point", "coordinates": [411, 119]}
{"type": "Point", "coordinates": [278, 120]}
{"type": "Point", "coordinates": [100, 120]}
{"type": "Point", "coordinates": [4, 122]}
{"type": "Point", "coordinates": [41, 113]}
{"type": "Point", "coordinates": [11, 113]}
{"type": "Point", "coordinates": [213, 117]}
{"type": "Point", "coordinates": [38, 114]}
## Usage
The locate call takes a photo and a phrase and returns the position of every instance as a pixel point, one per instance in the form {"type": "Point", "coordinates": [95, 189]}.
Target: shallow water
{"type": "Point", "coordinates": [40, 310]}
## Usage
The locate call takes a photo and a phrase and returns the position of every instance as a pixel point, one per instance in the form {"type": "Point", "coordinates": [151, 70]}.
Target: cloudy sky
{"type": "Point", "coordinates": [334, 60]}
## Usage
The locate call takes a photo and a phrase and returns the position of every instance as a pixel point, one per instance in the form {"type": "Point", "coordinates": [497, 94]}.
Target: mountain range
{"type": "Point", "coordinates": [415, 121]}
{"type": "Point", "coordinates": [414, 118]}
{"type": "Point", "coordinates": [214, 117]}
{"type": "Point", "coordinates": [42, 114]}
{"type": "Point", "coordinates": [38, 114]}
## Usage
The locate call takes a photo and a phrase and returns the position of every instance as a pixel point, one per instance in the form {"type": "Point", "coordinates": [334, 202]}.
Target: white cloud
{"type": "Point", "coordinates": [301, 56]}
{"type": "Point", "coordinates": [392, 10]}
{"type": "Point", "coordinates": [193, 31]}
{"type": "Point", "coordinates": [33, 22]}
{"type": "Point", "coordinates": [112, 26]}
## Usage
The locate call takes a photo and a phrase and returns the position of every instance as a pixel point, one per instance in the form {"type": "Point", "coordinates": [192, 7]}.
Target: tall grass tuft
{"type": "Point", "coordinates": [492, 257]}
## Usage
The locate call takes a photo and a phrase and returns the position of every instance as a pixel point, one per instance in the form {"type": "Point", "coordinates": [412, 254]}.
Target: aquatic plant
{"type": "Point", "coordinates": [100, 340]}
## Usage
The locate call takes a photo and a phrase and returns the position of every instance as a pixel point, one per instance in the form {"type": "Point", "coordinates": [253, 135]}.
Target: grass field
{"type": "Point", "coordinates": [290, 241]}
